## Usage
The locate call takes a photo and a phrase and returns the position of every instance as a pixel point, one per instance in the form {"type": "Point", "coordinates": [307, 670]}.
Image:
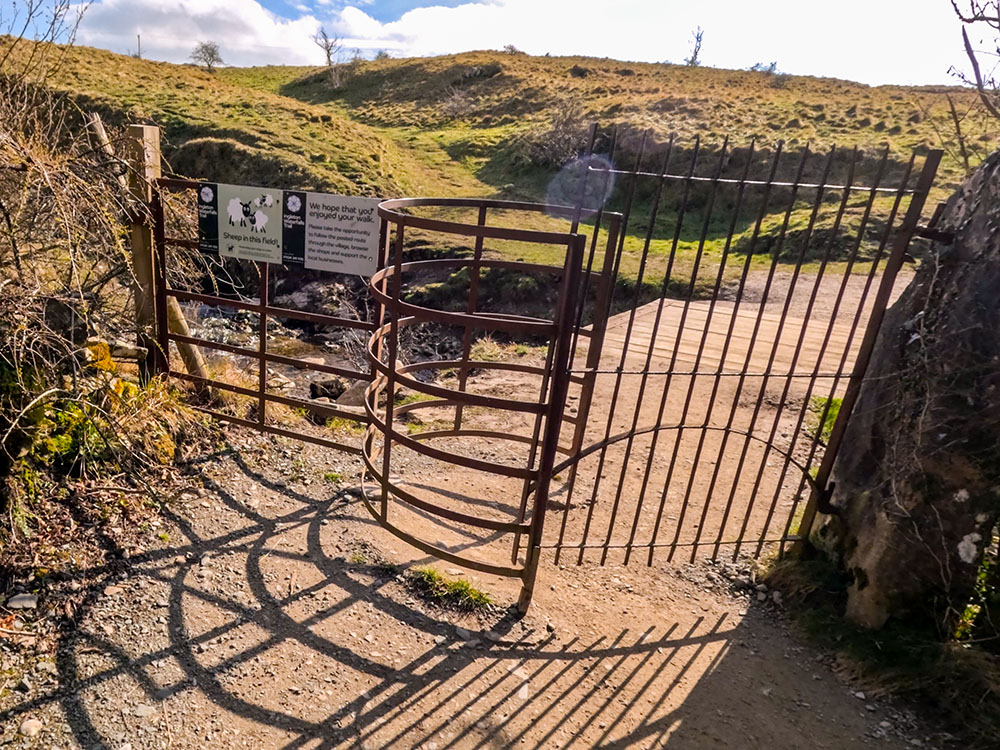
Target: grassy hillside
{"type": "Point", "coordinates": [456, 124]}
{"type": "Point", "coordinates": [220, 130]}
{"type": "Point", "coordinates": [470, 125]}
{"type": "Point", "coordinates": [476, 102]}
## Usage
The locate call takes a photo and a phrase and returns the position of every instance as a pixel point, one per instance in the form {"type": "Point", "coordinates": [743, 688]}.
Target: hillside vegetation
{"type": "Point", "coordinates": [475, 102]}
{"type": "Point", "coordinates": [491, 123]}
{"type": "Point", "coordinates": [216, 128]}
{"type": "Point", "coordinates": [458, 124]}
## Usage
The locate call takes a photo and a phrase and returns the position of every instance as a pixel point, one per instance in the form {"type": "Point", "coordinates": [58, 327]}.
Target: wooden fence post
{"type": "Point", "coordinates": [144, 159]}
{"type": "Point", "coordinates": [143, 154]}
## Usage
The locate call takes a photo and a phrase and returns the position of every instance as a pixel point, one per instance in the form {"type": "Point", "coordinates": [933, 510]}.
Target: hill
{"type": "Point", "coordinates": [457, 124]}
{"type": "Point", "coordinates": [491, 123]}
{"type": "Point", "coordinates": [219, 129]}
{"type": "Point", "coordinates": [475, 103]}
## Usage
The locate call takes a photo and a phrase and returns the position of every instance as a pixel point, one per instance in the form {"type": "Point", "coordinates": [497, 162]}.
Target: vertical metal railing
{"type": "Point", "coordinates": [723, 472]}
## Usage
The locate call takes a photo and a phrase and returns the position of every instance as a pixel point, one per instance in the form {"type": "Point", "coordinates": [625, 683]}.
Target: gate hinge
{"type": "Point", "coordinates": [936, 235]}
{"type": "Point", "coordinates": [823, 504]}
{"type": "Point", "coordinates": [930, 230]}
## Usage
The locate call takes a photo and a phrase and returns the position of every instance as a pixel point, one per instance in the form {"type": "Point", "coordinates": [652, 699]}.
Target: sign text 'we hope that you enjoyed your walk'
{"type": "Point", "coordinates": [319, 231]}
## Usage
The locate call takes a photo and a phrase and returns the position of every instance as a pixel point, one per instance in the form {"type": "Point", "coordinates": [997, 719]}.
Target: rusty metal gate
{"type": "Point", "coordinates": [671, 344]}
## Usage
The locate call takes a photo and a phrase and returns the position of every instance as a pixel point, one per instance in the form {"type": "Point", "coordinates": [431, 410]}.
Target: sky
{"type": "Point", "coordinates": [871, 41]}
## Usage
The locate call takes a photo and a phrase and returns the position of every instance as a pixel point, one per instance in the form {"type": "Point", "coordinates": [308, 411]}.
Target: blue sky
{"type": "Point", "coordinates": [872, 41]}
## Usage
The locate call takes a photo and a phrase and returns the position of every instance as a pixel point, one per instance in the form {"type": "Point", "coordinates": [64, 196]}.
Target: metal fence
{"type": "Point", "coordinates": [252, 385]}
{"type": "Point", "coordinates": [701, 317]}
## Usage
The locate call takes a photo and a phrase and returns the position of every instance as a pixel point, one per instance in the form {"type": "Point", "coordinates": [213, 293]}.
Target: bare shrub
{"type": "Point", "coordinates": [66, 405]}
{"type": "Point", "coordinates": [562, 142]}
{"type": "Point", "coordinates": [456, 103]}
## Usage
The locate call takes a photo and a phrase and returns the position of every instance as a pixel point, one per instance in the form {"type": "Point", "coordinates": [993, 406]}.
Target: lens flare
{"type": "Point", "coordinates": [585, 183]}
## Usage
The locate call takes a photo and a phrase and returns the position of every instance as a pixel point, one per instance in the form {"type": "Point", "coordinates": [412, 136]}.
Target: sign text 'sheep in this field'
{"type": "Point", "coordinates": [316, 230]}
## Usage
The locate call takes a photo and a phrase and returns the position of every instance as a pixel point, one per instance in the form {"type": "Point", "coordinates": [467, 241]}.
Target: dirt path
{"type": "Point", "coordinates": [267, 622]}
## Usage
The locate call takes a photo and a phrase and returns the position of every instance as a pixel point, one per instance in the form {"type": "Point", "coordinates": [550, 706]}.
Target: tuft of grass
{"type": "Point", "coordinates": [429, 584]}
{"type": "Point", "coordinates": [823, 413]}
{"type": "Point", "coordinates": [333, 477]}
{"type": "Point", "coordinates": [958, 682]}
{"type": "Point", "coordinates": [357, 558]}
{"type": "Point", "coordinates": [346, 425]}
{"type": "Point", "coordinates": [412, 398]}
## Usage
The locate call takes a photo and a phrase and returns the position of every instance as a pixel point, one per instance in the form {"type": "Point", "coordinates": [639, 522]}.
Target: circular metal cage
{"type": "Point", "coordinates": [501, 445]}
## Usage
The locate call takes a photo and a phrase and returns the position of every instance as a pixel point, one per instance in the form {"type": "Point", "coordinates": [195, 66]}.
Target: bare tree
{"type": "Point", "coordinates": [981, 14]}
{"type": "Point", "coordinates": [694, 60]}
{"type": "Point", "coordinates": [207, 54]}
{"type": "Point", "coordinates": [330, 45]}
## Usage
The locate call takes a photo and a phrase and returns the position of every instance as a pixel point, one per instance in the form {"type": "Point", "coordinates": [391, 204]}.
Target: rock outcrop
{"type": "Point", "coordinates": [918, 476]}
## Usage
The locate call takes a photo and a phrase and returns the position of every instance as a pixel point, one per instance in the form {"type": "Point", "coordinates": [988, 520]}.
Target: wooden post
{"type": "Point", "coordinates": [144, 167]}
{"type": "Point", "coordinates": [143, 154]}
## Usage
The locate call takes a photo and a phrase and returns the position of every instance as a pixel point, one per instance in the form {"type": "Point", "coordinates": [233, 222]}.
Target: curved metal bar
{"type": "Point", "coordinates": [469, 399]}
{"type": "Point", "coordinates": [659, 428]}
{"type": "Point", "coordinates": [461, 320]}
{"type": "Point", "coordinates": [480, 364]}
{"type": "Point", "coordinates": [452, 515]}
{"type": "Point", "coordinates": [438, 552]}
{"type": "Point", "coordinates": [453, 458]}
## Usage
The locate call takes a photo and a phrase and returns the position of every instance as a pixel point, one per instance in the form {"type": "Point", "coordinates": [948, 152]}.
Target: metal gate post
{"type": "Point", "coordinates": [159, 356]}
{"type": "Point", "coordinates": [819, 497]}
{"type": "Point", "coordinates": [564, 320]}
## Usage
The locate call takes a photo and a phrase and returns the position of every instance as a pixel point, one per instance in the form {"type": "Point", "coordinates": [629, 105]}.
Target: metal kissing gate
{"type": "Point", "coordinates": [669, 383]}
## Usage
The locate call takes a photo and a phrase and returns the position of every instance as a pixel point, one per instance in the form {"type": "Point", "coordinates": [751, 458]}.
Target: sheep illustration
{"type": "Point", "coordinates": [258, 220]}
{"type": "Point", "coordinates": [266, 200]}
{"type": "Point", "coordinates": [238, 212]}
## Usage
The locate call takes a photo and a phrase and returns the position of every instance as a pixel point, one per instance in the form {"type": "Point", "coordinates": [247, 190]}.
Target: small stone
{"type": "Point", "coordinates": [761, 596]}
{"type": "Point", "coordinates": [47, 667]}
{"type": "Point", "coordinates": [462, 633]}
{"type": "Point", "coordinates": [22, 601]}
{"type": "Point", "coordinates": [144, 710]}
{"type": "Point", "coordinates": [112, 590]}
{"type": "Point", "coordinates": [885, 724]}
{"type": "Point", "coordinates": [550, 627]}
{"type": "Point", "coordinates": [30, 728]}
{"type": "Point", "coordinates": [859, 695]}
{"type": "Point", "coordinates": [439, 639]}
{"type": "Point", "coordinates": [523, 692]}
{"type": "Point", "coordinates": [492, 635]}
{"type": "Point", "coordinates": [869, 707]}
{"type": "Point", "coordinates": [776, 597]}
{"type": "Point", "coordinates": [24, 685]}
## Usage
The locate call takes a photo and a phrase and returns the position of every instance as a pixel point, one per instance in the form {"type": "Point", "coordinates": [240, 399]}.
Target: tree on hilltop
{"type": "Point", "coordinates": [207, 55]}
{"type": "Point", "coordinates": [330, 45]}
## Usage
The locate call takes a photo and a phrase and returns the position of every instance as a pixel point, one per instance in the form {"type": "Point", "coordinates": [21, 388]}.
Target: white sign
{"type": "Point", "coordinates": [341, 233]}
{"type": "Point", "coordinates": [317, 230]}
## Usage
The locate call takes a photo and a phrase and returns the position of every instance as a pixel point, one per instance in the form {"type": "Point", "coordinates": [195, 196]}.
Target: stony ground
{"type": "Point", "coordinates": [270, 614]}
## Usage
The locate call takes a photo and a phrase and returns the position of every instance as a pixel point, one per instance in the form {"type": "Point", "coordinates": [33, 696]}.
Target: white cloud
{"type": "Point", "coordinates": [246, 32]}
{"type": "Point", "coordinates": [901, 41]}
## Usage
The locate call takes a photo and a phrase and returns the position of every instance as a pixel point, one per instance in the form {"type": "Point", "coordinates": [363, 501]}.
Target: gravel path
{"type": "Point", "coordinates": [270, 619]}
